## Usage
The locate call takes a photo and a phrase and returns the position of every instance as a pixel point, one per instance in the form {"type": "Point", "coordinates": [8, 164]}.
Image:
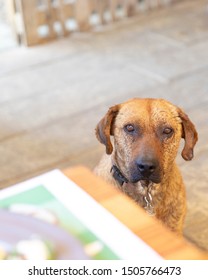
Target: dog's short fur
{"type": "Point", "coordinates": [146, 134]}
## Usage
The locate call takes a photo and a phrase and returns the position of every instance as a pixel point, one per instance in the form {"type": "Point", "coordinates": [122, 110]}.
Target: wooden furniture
{"type": "Point", "coordinates": [38, 21]}
{"type": "Point", "coordinates": [150, 230]}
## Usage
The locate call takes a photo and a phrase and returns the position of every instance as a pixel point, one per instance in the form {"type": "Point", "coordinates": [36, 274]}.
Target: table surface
{"type": "Point", "coordinates": [150, 230]}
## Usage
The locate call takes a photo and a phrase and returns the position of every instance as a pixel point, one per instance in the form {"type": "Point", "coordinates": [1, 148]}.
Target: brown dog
{"type": "Point", "coordinates": [141, 159]}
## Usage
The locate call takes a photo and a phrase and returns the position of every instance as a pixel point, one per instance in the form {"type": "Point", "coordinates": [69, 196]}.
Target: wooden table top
{"type": "Point", "coordinates": [150, 230]}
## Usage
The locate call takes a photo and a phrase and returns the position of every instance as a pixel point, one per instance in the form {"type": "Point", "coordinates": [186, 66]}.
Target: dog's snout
{"type": "Point", "coordinates": [146, 167]}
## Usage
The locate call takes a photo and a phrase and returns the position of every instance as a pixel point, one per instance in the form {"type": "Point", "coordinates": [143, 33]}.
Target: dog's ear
{"type": "Point", "coordinates": [104, 128]}
{"type": "Point", "coordinates": [189, 134]}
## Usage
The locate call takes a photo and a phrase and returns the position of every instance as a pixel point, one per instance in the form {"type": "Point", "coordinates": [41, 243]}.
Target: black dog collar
{"type": "Point", "coordinates": [147, 197]}
{"type": "Point", "coordinates": [118, 176]}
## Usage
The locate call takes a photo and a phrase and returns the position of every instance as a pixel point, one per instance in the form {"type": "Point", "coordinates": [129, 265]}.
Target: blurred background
{"type": "Point", "coordinates": [63, 63]}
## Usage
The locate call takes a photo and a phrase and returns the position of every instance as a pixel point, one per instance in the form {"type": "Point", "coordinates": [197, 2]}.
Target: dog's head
{"type": "Point", "coordinates": [146, 134]}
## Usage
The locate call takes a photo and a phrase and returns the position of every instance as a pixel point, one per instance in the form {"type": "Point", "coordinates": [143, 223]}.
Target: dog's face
{"type": "Point", "coordinates": [147, 134]}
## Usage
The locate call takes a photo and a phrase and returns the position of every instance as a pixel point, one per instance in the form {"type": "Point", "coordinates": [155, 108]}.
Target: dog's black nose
{"type": "Point", "coordinates": [146, 167]}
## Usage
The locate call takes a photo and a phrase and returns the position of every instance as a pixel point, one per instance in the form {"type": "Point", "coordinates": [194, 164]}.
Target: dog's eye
{"type": "Point", "coordinates": [167, 131]}
{"type": "Point", "coordinates": [129, 128]}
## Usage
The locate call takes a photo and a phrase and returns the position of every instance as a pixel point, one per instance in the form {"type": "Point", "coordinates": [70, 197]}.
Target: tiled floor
{"type": "Point", "coordinates": [52, 96]}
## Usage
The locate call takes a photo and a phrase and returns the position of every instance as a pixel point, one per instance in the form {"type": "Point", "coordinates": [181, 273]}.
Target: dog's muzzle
{"type": "Point", "coordinates": [147, 170]}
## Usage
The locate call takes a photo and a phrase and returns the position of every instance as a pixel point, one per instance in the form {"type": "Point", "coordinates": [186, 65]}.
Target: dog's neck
{"type": "Point", "coordinates": [118, 176]}
{"type": "Point", "coordinates": [143, 188]}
